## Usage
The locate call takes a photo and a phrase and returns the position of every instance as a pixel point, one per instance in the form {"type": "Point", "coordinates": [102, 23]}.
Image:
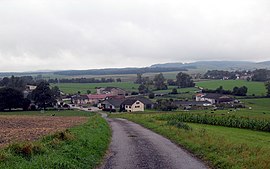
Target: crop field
{"type": "Point", "coordinates": [48, 113]}
{"type": "Point", "coordinates": [222, 147]}
{"type": "Point", "coordinates": [256, 88]}
{"type": "Point", "coordinates": [29, 128]}
{"type": "Point", "coordinates": [70, 139]}
{"type": "Point", "coordinates": [73, 88]}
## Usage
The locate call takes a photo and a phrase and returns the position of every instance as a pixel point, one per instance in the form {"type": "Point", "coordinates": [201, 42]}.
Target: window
{"type": "Point", "coordinates": [137, 102]}
{"type": "Point", "coordinates": [137, 106]}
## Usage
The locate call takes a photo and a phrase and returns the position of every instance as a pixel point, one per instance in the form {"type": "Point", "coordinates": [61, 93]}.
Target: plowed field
{"type": "Point", "coordinates": [25, 128]}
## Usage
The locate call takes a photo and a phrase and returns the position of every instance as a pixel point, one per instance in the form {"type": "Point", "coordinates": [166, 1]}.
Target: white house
{"type": "Point", "coordinates": [131, 105]}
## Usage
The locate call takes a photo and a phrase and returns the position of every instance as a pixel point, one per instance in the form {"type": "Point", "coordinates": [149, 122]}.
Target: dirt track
{"type": "Point", "coordinates": [135, 147]}
{"type": "Point", "coordinates": [22, 128]}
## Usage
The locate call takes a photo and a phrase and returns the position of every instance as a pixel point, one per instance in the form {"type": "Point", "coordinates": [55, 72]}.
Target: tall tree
{"type": "Point", "coordinates": [261, 75]}
{"type": "Point", "coordinates": [267, 85]}
{"type": "Point", "coordinates": [139, 78]}
{"type": "Point", "coordinates": [159, 82]}
{"type": "Point", "coordinates": [184, 80]}
{"type": "Point", "coordinates": [43, 95]}
{"type": "Point", "coordinates": [143, 89]}
{"type": "Point", "coordinates": [10, 98]}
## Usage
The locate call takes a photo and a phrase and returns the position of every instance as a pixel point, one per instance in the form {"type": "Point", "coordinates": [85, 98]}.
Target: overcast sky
{"type": "Point", "coordinates": [86, 34]}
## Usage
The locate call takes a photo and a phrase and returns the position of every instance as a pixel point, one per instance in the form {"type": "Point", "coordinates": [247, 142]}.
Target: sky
{"type": "Point", "coordinates": [88, 34]}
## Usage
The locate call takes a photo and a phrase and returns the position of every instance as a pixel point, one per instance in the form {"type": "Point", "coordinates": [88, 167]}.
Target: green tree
{"type": "Point", "coordinates": [159, 82]}
{"type": "Point", "coordinates": [261, 75]}
{"type": "Point", "coordinates": [139, 78]}
{"type": "Point", "coordinates": [240, 91]}
{"type": "Point", "coordinates": [88, 91]}
{"type": "Point", "coordinates": [143, 89]}
{"type": "Point", "coordinates": [267, 85]}
{"type": "Point", "coordinates": [174, 91]}
{"type": "Point", "coordinates": [151, 96]}
{"type": "Point", "coordinates": [43, 95]}
{"type": "Point", "coordinates": [184, 80]}
{"type": "Point", "coordinates": [56, 92]}
{"type": "Point", "coordinates": [10, 98]}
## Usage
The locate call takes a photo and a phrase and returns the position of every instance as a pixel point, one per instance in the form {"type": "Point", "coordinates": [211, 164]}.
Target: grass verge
{"type": "Point", "coordinates": [223, 147]}
{"type": "Point", "coordinates": [79, 147]}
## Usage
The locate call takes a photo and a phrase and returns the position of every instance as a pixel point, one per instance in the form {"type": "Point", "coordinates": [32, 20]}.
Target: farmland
{"type": "Point", "coordinates": [29, 128]}
{"type": "Point", "coordinates": [256, 88]}
{"type": "Point", "coordinates": [70, 139]}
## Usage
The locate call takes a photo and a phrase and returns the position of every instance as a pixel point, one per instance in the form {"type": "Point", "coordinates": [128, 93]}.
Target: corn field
{"type": "Point", "coordinates": [227, 121]}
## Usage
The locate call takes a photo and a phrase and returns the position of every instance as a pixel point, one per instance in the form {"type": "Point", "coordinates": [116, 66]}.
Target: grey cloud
{"type": "Point", "coordinates": [71, 34]}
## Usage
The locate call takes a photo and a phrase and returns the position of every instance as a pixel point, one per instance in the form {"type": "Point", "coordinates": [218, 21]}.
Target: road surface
{"type": "Point", "coordinates": [135, 147]}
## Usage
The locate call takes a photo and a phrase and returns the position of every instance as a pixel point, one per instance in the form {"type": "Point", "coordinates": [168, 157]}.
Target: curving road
{"type": "Point", "coordinates": [135, 147]}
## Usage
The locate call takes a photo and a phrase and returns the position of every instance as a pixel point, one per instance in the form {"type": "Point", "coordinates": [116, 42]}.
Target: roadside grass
{"type": "Point", "coordinates": [49, 113]}
{"type": "Point", "coordinates": [256, 88]}
{"type": "Point", "coordinates": [73, 88]}
{"type": "Point", "coordinates": [82, 146]}
{"type": "Point", "coordinates": [223, 147]}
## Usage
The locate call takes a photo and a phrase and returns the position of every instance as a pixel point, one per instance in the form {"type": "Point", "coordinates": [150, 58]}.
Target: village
{"type": "Point", "coordinates": [114, 99]}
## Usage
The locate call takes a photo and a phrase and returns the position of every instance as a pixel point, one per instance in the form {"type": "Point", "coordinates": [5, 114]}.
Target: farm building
{"type": "Point", "coordinates": [111, 104]}
{"type": "Point", "coordinates": [148, 104]}
{"type": "Point", "coordinates": [132, 105]}
{"type": "Point", "coordinates": [80, 99]}
{"type": "Point", "coordinates": [214, 98]}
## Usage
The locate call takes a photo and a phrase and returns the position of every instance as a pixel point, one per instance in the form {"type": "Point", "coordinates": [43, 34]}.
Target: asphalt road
{"type": "Point", "coordinates": [135, 147]}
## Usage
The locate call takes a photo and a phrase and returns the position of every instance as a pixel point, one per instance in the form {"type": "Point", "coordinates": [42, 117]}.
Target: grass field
{"type": "Point", "coordinates": [73, 88]}
{"type": "Point", "coordinates": [82, 146]}
{"type": "Point", "coordinates": [223, 147]}
{"type": "Point", "coordinates": [256, 88]}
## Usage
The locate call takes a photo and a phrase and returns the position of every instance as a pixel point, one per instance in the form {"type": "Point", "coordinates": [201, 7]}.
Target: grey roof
{"type": "Point", "coordinates": [129, 101]}
{"type": "Point", "coordinates": [116, 102]}
{"type": "Point", "coordinates": [142, 99]}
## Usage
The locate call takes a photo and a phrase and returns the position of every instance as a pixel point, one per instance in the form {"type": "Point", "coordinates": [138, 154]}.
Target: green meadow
{"type": "Point", "coordinates": [256, 88]}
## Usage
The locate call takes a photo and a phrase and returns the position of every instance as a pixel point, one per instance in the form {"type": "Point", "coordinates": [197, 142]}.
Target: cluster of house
{"type": "Point", "coordinates": [113, 99]}
{"type": "Point", "coordinates": [116, 99]}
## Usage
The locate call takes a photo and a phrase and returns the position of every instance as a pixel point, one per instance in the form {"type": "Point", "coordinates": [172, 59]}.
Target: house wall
{"type": "Point", "coordinates": [137, 106]}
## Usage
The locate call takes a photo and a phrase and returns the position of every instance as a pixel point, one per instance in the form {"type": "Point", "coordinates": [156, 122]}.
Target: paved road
{"type": "Point", "coordinates": [135, 147]}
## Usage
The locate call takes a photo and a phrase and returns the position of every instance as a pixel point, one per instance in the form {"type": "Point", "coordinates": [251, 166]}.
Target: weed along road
{"type": "Point", "coordinates": [135, 147]}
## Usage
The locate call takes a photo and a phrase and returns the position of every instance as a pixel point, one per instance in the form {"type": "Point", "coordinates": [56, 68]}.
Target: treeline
{"type": "Point", "coordinates": [18, 83]}
{"type": "Point", "coordinates": [43, 96]}
{"type": "Point", "coordinates": [237, 91]}
{"type": "Point", "coordinates": [118, 71]}
{"type": "Point", "coordinates": [84, 80]}
{"type": "Point", "coordinates": [260, 75]}
{"type": "Point", "coordinates": [147, 85]}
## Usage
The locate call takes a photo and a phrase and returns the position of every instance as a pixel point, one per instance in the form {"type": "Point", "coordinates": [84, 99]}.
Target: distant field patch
{"type": "Point", "coordinates": [73, 88]}
{"type": "Point", "coordinates": [256, 88]}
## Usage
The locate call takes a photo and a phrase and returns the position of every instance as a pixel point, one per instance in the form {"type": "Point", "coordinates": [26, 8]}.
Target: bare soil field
{"type": "Point", "coordinates": [26, 128]}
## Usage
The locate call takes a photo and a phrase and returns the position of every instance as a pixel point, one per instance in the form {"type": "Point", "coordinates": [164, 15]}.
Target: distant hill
{"type": "Point", "coordinates": [200, 66]}
{"type": "Point", "coordinates": [218, 65]}
{"type": "Point", "coordinates": [266, 63]}
{"type": "Point", "coordinates": [114, 71]}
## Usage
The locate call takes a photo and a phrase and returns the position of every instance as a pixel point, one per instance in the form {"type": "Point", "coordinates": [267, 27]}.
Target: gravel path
{"type": "Point", "coordinates": [135, 147]}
